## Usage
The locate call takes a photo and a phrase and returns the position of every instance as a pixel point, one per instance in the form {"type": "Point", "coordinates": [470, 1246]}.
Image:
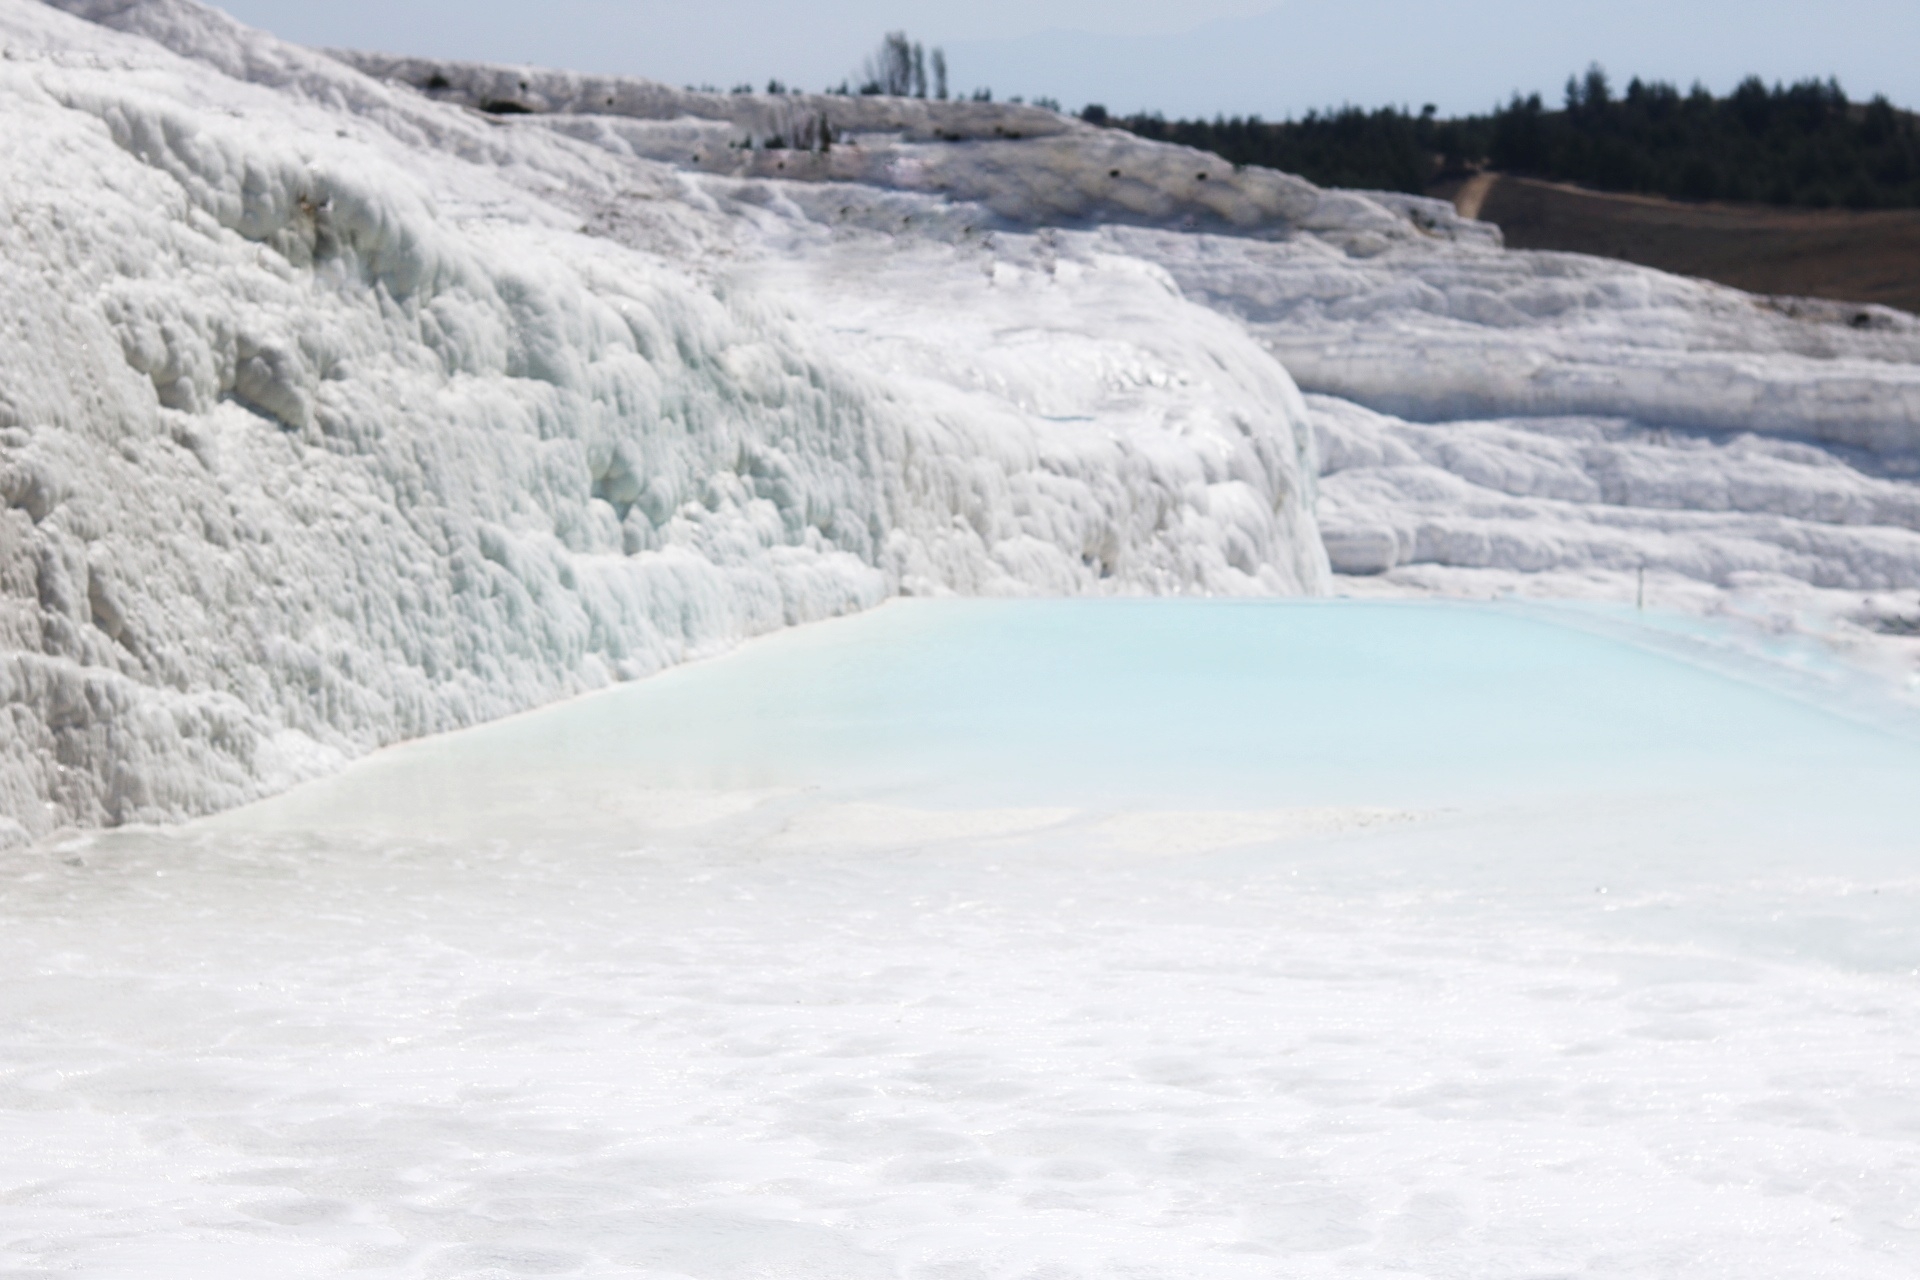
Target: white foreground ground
{"type": "Point", "coordinates": [1009, 940]}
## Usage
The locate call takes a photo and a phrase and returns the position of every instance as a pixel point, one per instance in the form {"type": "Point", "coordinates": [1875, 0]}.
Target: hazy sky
{"type": "Point", "coordinates": [1202, 56]}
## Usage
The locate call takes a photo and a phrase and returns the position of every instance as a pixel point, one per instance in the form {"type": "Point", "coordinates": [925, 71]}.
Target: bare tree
{"type": "Point", "coordinates": [889, 68]}
{"type": "Point", "coordinates": [919, 71]}
{"type": "Point", "coordinates": [940, 74]}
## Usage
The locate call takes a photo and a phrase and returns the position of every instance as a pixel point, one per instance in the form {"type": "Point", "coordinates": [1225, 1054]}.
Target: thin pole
{"type": "Point", "coordinates": [1640, 588]}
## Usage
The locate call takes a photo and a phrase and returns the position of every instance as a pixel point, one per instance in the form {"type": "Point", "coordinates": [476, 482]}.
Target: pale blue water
{"type": "Point", "coordinates": [1175, 703]}
{"type": "Point", "coordinates": [1559, 756]}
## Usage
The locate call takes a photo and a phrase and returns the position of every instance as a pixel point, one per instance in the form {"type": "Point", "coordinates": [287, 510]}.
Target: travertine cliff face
{"type": "Point", "coordinates": [333, 415]}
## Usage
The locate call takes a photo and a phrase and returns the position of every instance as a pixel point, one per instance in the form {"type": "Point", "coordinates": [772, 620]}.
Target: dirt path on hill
{"type": "Point", "coordinates": [1473, 194]}
{"type": "Point", "coordinates": [1820, 253]}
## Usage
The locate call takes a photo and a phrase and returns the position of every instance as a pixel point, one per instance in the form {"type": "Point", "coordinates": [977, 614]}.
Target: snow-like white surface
{"type": "Point", "coordinates": [1781, 534]}
{"type": "Point", "coordinates": [1451, 330]}
{"type": "Point", "coordinates": [873, 949]}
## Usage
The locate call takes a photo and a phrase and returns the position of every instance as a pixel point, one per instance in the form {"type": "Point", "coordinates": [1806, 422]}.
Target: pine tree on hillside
{"type": "Point", "coordinates": [1804, 144]}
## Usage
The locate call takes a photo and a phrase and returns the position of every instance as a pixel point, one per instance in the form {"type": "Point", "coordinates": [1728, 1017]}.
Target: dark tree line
{"type": "Point", "coordinates": [1803, 144]}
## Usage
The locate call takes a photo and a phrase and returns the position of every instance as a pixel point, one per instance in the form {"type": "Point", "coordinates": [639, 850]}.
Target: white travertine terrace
{"type": "Point", "coordinates": [339, 410]}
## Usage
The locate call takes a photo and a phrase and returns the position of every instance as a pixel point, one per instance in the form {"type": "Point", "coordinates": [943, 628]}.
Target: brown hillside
{"type": "Point", "coordinates": [1817, 253]}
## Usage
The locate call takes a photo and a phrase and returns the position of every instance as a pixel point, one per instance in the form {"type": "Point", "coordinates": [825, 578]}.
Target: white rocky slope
{"type": "Point", "coordinates": [338, 409]}
{"type": "Point", "coordinates": [327, 423]}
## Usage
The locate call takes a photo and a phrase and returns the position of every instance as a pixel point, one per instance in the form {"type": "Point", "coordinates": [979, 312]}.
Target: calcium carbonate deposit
{"type": "Point", "coordinates": [336, 415]}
